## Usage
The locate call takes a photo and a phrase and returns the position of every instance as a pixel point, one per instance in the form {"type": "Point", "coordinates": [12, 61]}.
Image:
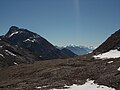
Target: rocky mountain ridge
{"type": "Point", "coordinates": [112, 42]}
{"type": "Point", "coordinates": [23, 46]}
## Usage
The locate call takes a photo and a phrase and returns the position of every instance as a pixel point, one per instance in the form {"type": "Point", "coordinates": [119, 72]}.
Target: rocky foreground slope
{"type": "Point", "coordinates": [59, 73]}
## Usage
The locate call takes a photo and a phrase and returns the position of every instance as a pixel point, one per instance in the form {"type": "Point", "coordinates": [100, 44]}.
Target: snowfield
{"type": "Point", "coordinates": [89, 85]}
{"type": "Point", "coordinates": [107, 55]}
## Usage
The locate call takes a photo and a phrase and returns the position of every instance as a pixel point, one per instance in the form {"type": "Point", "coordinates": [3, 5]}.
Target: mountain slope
{"type": "Point", "coordinates": [68, 52]}
{"type": "Point", "coordinates": [23, 46]}
{"type": "Point", "coordinates": [113, 42]}
{"type": "Point", "coordinates": [33, 42]}
{"type": "Point", "coordinates": [14, 55]}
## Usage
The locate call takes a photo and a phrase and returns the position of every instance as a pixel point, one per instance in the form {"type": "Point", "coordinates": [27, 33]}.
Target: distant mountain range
{"type": "Point", "coordinates": [78, 50]}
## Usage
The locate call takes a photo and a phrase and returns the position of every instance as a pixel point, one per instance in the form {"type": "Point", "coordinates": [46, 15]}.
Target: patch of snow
{"type": "Point", "coordinates": [89, 85]}
{"type": "Point", "coordinates": [38, 87]}
{"type": "Point", "coordinates": [107, 55]}
{"type": "Point", "coordinates": [40, 56]}
{"type": "Point", "coordinates": [29, 40]}
{"type": "Point", "coordinates": [13, 34]}
{"type": "Point", "coordinates": [72, 45]}
{"type": "Point", "coordinates": [10, 53]}
{"type": "Point", "coordinates": [26, 40]}
{"type": "Point", "coordinates": [90, 52]}
{"type": "Point", "coordinates": [118, 69]}
{"type": "Point", "coordinates": [15, 63]}
{"type": "Point", "coordinates": [44, 86]}
{"type": "Point", "coordinates": [110, 62]}
{"type": "Point", "coordinates": [2, 55]}
{"type": "Point", "coordinates": [41, 87]}
{"type": "Point", "coordinates": [16, 45]}
{"type": "Point", "coordinates": [1, 46]}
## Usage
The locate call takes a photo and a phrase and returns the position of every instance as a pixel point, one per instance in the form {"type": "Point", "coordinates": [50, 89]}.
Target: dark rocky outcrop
{"type": "Point", "coordinates": [23, 46]}
{"type": "Point", "coordinates": [33, 42]}
{"type": "Point", "coordinates": [13, 54]}
{"type": "Point", "coordinates": [113, 42]}
{"type": "Point", "coordinates": [68, 52]}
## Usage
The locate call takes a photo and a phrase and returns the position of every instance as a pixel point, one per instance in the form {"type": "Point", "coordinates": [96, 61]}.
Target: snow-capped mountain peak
{"type": "Point", "coordinates": [79, 50]}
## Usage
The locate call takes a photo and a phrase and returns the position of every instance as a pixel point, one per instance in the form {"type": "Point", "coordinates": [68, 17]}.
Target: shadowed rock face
{"type": "Point", "coordinates": [68, 52]}
{"type": "Point", "coordinates": [23, 46]}
{"type": "Point", "coordinates": [13, 54]}
{"type": "Point", "coordinates": [113, 42]}
{"type": "Point", "coordinates": [33, 42]}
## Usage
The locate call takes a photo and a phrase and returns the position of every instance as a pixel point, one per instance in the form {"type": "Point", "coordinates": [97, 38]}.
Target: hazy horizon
{"type": "Point", "coordinates": [63, 22]}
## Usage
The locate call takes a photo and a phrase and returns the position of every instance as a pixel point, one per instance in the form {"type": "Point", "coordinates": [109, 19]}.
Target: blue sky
{"type": "Point", "coordinates": [63, 22]}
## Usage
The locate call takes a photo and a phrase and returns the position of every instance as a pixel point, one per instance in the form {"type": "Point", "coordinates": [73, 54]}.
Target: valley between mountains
{"type": "Point", "coordinates": [30, 62]}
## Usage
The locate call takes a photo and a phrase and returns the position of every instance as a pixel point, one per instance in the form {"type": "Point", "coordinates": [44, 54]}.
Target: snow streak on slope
{"type": "Point", "coordinates": [111, 54]}
{"type": "Point", "coordinates": [89, 85]}
{"type": "Point", "coordinates": [29, 40]}
{"type": "Point", "coordinates": [10, 52]}
{"type": "Point", "coordinates": [1, 55]}
{"type": "Point", "coordinates": [13, 34]}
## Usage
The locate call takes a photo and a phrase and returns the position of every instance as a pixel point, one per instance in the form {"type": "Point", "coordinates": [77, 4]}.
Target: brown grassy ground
{"type": "Point", "coordinates": [57, 73]}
